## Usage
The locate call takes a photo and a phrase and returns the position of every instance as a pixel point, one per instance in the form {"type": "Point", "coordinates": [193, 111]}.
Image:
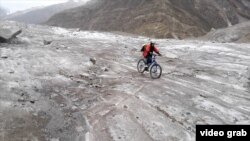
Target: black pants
{"type": "Point", "coordinates": [149, 59]}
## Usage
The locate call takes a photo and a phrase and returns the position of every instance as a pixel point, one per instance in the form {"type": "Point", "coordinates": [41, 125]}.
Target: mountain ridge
{"type": "Point", "coordinates": [160, 19]}
{"type": "Point", "coordinates": [40, 15]}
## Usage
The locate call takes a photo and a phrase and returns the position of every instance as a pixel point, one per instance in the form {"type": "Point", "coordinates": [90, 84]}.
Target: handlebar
{"type": "Point", "coordinates": [155, 55]}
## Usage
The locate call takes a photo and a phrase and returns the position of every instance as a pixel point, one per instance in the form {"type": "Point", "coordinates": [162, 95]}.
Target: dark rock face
{"type": "Point", "coordinates": [242, 7]}
{"type": "Point", "coordinates": [161, 18]}
{"type": "Point", "coordinates": [211, 13]}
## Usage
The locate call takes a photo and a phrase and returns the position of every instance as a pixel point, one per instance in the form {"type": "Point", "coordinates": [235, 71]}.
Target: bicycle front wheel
{"type": "Point", "coordinates": [155, 71]}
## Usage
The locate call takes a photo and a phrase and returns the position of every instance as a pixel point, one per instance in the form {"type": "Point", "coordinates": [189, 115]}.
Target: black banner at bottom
{"type": "Point", "coordinates": [223, 132]}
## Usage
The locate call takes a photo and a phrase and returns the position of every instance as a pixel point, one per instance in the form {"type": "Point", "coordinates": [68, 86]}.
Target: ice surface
{"type": "Point", "coordinates": [54, 92]}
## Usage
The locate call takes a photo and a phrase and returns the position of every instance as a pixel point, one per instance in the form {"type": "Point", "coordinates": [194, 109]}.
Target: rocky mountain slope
{"type": "Point", "coordinates": [51, 91]}
{"type": "Point", "coordinates": [155, 18]}
{"type": "Point", "coordinates": [238, 33]}
{"type": "Point", "coordinates": [42, 14]}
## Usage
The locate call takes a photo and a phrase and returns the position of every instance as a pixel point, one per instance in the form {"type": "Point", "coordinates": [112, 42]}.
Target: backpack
{"type": "Point", "coordinates": [143, 48]}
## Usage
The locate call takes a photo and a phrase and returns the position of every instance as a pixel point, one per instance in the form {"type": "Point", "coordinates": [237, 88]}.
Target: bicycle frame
{"type": "Point", "coordinates": [153, 59]}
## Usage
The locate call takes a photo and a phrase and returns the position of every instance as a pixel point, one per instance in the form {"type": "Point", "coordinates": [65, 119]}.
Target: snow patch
{"type": "Point", "coordinates": [58, 30]}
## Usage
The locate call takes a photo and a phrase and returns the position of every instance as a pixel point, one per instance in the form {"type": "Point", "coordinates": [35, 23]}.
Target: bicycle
{"type": "Point", "coordinates": [155, 69]}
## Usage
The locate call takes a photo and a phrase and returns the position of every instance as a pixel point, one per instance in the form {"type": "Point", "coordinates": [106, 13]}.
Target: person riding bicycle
{"type": "Point", "coordinates": [148, 50]}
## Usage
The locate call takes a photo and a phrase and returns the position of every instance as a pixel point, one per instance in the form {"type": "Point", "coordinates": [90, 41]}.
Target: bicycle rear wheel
{"type": "Point", "coordinates": [141, 66]}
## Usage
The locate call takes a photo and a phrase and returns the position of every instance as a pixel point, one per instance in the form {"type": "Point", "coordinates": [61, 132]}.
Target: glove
{"type": "Point", "coordinates": [159, 54]}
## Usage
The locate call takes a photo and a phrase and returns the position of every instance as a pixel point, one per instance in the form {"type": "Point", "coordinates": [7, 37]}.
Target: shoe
{"type": "Point", "coordinates": [146, 68]}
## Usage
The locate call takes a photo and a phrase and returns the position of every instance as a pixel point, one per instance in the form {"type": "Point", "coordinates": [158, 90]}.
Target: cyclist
{"type": "Point", "coordinates": [148, 50]}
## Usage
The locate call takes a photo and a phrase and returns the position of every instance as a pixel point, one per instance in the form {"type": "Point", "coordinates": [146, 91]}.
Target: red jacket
{"type": "Point", "coordinates": [146, 50]}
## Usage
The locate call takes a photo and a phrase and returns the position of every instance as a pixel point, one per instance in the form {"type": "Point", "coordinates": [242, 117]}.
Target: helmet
{"type": "Point", "coordinates": [152, 44]}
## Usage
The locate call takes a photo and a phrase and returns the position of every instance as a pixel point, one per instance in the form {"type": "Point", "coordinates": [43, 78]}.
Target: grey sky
{"type": "Point", "coordinates": [17, 5]}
